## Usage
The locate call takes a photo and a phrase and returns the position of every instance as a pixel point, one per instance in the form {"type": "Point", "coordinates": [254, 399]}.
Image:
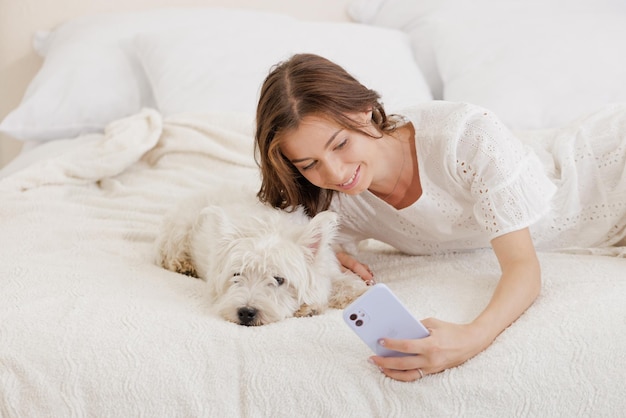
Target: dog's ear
{"type": "Point", "coordinates": [320, 231]}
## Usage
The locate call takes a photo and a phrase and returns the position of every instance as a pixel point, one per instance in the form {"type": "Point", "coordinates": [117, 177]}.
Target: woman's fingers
{"type": "Point", "coordinates": [360, 269]}
{"type": "Point", "coordinates": [447, 346]}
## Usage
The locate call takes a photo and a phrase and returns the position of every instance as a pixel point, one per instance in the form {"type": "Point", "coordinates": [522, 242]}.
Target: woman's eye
{"type": "Point", "coordinates": [309, 166]}
{"type": "Point", "coordinates": [342, 144]}
{"type": "Point", "coordinates": [279, 280]}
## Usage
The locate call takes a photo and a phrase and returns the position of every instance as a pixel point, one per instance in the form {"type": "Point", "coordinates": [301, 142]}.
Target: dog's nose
{"type": "Point", "coordinates": [246, 315]}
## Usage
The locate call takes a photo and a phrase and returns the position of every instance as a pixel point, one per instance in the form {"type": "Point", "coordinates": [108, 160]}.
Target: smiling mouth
{"type": "Point", "coordinates": [351, 179]}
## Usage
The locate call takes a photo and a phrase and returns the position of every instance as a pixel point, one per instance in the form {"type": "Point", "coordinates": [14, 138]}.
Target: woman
{"type": "Point", "coordinates": [442, 177]}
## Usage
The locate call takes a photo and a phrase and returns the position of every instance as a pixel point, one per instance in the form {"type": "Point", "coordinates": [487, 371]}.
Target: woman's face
{"type": "Point", "coordinates": [331, 157]}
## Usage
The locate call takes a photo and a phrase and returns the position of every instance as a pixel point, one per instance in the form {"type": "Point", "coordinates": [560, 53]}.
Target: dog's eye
{"type": "Point", "coordinates": [279, 280]}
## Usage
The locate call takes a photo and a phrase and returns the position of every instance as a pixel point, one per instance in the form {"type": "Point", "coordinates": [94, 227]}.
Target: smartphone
{"type": "Point", "coordinates": [378, 313]}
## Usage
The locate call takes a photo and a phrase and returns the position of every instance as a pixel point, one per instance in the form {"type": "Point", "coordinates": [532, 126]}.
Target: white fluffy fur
{"type": "Point", "coordinates": [262, 264]}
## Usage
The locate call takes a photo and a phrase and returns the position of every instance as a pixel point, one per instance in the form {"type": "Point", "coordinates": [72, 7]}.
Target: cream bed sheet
{"type": "Point", "coordinates": [90, 326]}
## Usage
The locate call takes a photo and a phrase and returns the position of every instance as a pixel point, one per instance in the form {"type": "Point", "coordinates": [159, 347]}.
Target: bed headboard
{"type": "Point", "coordinates": [19, 19]}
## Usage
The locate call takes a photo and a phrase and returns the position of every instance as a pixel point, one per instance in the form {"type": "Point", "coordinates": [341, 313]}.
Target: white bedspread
{"type": "Point", "coordinates": [89, 326]}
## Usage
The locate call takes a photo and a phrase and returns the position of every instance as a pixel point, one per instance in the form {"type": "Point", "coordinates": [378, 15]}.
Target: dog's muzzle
{"type": "Point", "coordinates": [247, 315]}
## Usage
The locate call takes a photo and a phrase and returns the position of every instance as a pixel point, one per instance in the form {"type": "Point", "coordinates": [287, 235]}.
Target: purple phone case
{"type": "Point", "coordinates": [379, 313]}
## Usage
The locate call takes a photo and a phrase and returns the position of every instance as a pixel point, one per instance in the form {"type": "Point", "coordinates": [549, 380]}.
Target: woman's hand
{"type": "Point", "coordinates": [447, 346]}
{"type": "Point", "coordinates": [362, 270]}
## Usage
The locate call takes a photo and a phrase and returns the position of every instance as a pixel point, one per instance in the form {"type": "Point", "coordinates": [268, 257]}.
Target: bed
{"type": "Point", "coordinates": [133, 110]}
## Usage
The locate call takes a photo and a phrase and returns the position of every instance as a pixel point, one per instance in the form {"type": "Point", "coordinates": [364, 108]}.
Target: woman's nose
{"type": "Point", "coordinates": [333, 172]}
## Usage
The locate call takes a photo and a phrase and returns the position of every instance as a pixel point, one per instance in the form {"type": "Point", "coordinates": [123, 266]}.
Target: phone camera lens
{"type": "Point", "coordinates": [353, 317]}
{"type": "Point", "coordinates": [359, 323]}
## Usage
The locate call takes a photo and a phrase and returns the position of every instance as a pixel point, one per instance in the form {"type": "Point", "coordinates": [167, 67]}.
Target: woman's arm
{"type": "Point", "coordinates": [519, 285]}
{"type": "Point", "coordinates": [452, 344]}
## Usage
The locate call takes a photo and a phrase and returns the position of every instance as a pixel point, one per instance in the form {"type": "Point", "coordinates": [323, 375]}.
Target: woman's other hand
{"type": "Point", "coordinates": [350, 263]}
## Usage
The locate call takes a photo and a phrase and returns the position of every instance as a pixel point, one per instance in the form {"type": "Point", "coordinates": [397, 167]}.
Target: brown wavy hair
{"type": "Point", "coordinates": [304, 85]}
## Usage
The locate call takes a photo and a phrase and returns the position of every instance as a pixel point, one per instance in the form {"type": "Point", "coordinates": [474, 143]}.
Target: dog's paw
{"type": "Point", "coordinates": [341, 300]}
{"type": "Point", "coordinates": [183, 266]}
{"type": "Point", "coordinates": [308, 310]}
{"type": "Point", "coordinates": [346, 288]}
{"type": "Point", "coordinates": [187, 268]}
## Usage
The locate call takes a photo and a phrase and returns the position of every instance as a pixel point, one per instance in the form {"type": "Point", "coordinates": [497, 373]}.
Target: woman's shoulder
{"type": "Point", "coordinates": [438, 122]}
{"type": "Point", "coordinates": [450, 132]}
{"type": "Point", "coordinates": [438, 116]}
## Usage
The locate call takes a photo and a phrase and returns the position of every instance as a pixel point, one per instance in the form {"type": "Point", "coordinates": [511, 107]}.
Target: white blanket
{"type": "Point", "coordinates": [89, 326]}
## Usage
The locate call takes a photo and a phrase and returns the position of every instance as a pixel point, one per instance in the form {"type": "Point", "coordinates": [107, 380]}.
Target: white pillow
{"type": "Point", "coordinates": [527, 60]}
{"type": "Point", "coordinates": [222, 66]}
{"type": "Point", "coordinates": [90, 75]}
{"type": "Point", "coordinates": [537, 72]}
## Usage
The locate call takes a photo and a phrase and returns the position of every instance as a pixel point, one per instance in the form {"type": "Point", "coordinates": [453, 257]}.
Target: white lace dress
{"type": "Point", "coordinates": [480, 181]}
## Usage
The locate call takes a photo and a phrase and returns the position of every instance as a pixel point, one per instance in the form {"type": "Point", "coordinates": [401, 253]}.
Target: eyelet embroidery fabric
{"type": "Point", "coordinates": [480, 181]}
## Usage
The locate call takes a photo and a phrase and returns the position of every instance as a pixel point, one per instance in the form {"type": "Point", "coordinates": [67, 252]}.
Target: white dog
{"type": "Point", "coordinates": [262, 264]}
